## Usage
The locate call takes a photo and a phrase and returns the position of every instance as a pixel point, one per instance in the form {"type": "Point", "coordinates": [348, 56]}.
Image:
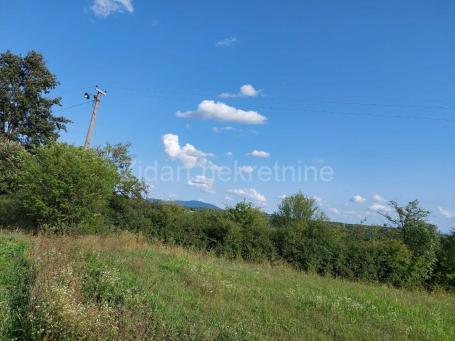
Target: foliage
{"type": "Point", "coordinates": [129, 185]}
{"type": "Point", "coordinates": [13, 158]}
{"type": "Point", "coordinates": [297, 207]}
{"type": "Point", "coordinates": [444, 274]}
{"type": "Point", "coordinates": [419, 236]}
{"type": "Point", "coordinates": [25, 109]}
{"type": "Point", "coordinates": [65, 186]}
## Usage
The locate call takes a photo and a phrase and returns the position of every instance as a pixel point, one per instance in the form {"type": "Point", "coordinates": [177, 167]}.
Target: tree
{"type": "Point", "coordinates": [297, 208]}
{"type": "Point", "coordinates": [65, 186]}
{"type": "Point", "coordinates": [25, 109]}
{"type": "Point", "coordinates": [129, 185]}
{"type": "Point", "coordinates": [419, 236]}
{"type": "Point", "coordinates": [405, 215]}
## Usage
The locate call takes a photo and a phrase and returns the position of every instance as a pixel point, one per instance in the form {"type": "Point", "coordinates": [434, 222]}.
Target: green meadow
{"type": "Point", "coordinates": [121, 287]}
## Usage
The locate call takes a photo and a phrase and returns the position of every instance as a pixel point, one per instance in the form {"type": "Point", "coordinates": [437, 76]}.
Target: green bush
{"type": "Point", "coordinates": [423, 241]}
{"type": "Point", "coordinates": [65, 186]}
{"type": "Point", "coordinates": [444, 274]}
{"type": "Point", "coordinates": [13, 159]}
{"type": "Point", "coordinates": [255, 232]}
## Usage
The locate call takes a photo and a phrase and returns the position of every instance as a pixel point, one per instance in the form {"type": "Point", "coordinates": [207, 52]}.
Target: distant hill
{"type": "Point", "coordinates": [196, 204]}
{"type": "Point", "coordinates": [192, 204]}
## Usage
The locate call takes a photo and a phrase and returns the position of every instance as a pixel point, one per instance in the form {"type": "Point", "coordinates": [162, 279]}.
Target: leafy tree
{"type": "Point", "coordinates": [406, 215]}
{"type": "Point", "coordinates": [419, 236]}
{"type": "Point", "coordinates": [25, 109]}
{"type": "Point", "coordinates": [129, 185]}
{"type": "Point", "coordinates": [65, 186]}
{"type": "Point", "coordinates": [297, 208]}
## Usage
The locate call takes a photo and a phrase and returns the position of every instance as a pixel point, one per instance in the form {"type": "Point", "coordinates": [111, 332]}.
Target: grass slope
{"type": "Point", "coordinates": [121, 287]}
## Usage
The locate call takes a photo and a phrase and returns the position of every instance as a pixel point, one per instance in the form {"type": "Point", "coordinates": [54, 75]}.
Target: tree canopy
{"type": "Point", "coordinates": [25, 105]}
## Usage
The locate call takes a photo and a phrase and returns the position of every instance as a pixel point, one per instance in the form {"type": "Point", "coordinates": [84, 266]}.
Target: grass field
{"type": "Point", "coordinates": [122, 287]}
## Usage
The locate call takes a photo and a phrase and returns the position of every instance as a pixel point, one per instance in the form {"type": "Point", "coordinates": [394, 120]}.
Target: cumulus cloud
{"type": "Point", "coordinates": [103, 8]}
{"type": "Point", "coordinates": [201, 182]}
{"type": "Point", "coordinates": [380, 207]}
{"type": "Point", "coordinates": [259, 153]}
{"type": "Point", "coordinates": [211, 110]}
{"type": "Point", "coordinates": [228, 154]}
{"type": "Point", "coordinates": [188, 155]}
{"type": "Point", "coordinates": [248, 193]}
{"type": "Point", "coordinates": [379, 198]}
{"type": "Point", "coordinates": [246, 90]}
{"type": "Point", "coordinates": [358, 199]}
{"type": "Point", "coordinates": [227, 42]}
{"type": "Point", "coordinates": [446, 213]}
{"type": "Point", "coordinates": [246, 169]}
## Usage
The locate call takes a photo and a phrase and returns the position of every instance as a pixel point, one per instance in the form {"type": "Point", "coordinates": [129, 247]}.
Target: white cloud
{"type": "Point", "coordinates": [358, 199]}
{"type": "Point", "coordinates": [248, 193]}
{"type": "Point", "coordinates": [334, 210]}
{"type": "Point", "coordinates": [246, 169]}
{"type": "Point", "coordinates": [379, 198]}
{"type": "Point", "coordinates": [103, 8]}
{"type": "Point", "coordinates": [259, 153]}
{"type": "Point", "coordinates": [188, 155]}
{"type": "Point", "coordinates": [227, 42]}
{"type": "Point", "coordinates": [446, 213]}
{"type": "Point", "coordinates": [202, 182]}
{"type": "Point", "coordinates": [246, 90]}
{"type": "Point", "coordinates": [211, 110]}
{"type": "Point", "coordinates": [380, 207]}
{"type": "Point", "coordinates": [228, 154]}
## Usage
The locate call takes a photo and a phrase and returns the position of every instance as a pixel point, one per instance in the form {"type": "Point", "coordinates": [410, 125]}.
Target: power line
{"type": "Point", "coordinates": [72, 106]}
{"type": "Point", "coordinates": [156, 93]}
{"type": "Point", "coordinates": [359, 114]}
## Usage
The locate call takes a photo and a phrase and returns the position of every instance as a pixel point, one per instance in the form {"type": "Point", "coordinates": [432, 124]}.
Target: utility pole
{"type": "Point", "coordinates": [97, 99]}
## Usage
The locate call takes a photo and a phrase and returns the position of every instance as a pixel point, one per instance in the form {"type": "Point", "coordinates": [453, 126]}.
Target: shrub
{"type": "Point", "coordinates": [444, 274]}
{"type": "Point", "coordinates": [310, 246]}
{"type": "Point", "coordinates": [255, 231]}
{"type": "Point", "coordinates": [66, 186]}
{"type": "Point", "coordinates": [13, 158]}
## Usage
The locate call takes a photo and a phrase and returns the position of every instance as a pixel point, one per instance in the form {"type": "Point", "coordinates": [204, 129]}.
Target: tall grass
{"type": "Point", "coordinates": [122, 287]}
{"type": "Point", "coordinates": [14, 283]}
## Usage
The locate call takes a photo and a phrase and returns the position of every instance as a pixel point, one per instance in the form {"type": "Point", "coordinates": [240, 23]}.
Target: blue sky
{"type": "Point", "coordinates": [365, 88]}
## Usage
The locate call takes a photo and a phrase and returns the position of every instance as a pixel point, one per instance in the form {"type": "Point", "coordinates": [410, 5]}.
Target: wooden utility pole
{"type": "Point", "coordinates": [99, 93]}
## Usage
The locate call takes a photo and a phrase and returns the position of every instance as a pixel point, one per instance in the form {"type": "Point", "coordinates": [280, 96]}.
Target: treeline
{"type": "Point", "coordinates": [59, 188]}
